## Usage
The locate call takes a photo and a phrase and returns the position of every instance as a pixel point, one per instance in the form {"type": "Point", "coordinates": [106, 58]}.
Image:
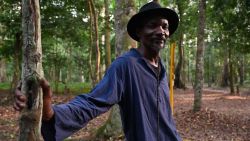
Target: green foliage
{"type": "Point", "coordinates": [72, 87]}
{"type": "Point", "coordinates": [5, 85]}
{"type": "Point", "coordinates": [66, 35]}
{"type": "Point", "coordinates": [10, 24]}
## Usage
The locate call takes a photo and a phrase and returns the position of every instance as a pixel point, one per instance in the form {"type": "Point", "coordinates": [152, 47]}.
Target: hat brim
{"type": "Point", "coordinates": [135, 21]}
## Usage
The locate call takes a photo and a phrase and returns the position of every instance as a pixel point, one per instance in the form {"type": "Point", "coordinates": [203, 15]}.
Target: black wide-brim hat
{"type": "Point", "coordinates": [148, 10]}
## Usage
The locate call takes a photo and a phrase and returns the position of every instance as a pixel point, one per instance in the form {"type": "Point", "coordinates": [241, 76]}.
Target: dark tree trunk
{"type": "Point", "coordinates": [178, 83]}
{"type": "Point", "coordinates": [179, 74]}
{"type": "Point", "coordinates": [231, 72]}
{"type": "Point", "coordinates": [225, 72]}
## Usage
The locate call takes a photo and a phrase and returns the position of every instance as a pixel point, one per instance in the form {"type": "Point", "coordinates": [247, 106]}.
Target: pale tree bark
{"type": "Point", "coordinates": [30, 120]}
{"type": "Point", "coordinates": [107, 33]}
{"type": "Point", "coordinates": [124, 11]}
{"type": "Point", "coordinates": [198, 86]}
{"type": "Point", "coordinates": [3, 77]}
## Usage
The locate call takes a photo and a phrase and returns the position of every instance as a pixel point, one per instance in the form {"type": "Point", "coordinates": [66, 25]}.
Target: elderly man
{"type": "Point", "coordinates": [136, 81]}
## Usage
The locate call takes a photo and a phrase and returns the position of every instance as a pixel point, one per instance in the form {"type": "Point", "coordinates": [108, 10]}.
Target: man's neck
{"type": "Point", "coordinates": [151, 57]}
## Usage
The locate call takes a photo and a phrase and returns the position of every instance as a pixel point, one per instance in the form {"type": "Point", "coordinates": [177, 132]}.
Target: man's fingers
{"type": "Point", "coordinates": [46, 87]}
{"type": "Point", "coordinates": [19, 105]}
{"type": "Point", "coordinates": [16, 107]}
{"type": "Point", "coordinates": [19, 96]}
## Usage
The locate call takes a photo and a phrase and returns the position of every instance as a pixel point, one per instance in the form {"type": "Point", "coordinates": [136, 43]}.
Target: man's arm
{"type": "Point", "coordinates": [74, 115]}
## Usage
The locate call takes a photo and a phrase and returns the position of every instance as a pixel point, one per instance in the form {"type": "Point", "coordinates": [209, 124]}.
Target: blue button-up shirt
{"type": "Point", "coordinates": [131, 83]}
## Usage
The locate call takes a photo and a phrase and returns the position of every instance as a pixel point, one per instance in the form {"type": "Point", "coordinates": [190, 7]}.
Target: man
{"type": "Point", "coordinates": [136, 81]}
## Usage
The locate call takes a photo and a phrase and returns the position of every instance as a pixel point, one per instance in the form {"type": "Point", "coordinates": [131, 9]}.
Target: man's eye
{"type": "Point", "coordinates": [165, 27]}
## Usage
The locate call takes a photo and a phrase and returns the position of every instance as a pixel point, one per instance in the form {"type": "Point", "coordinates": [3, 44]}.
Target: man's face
{"type": "Point", "coordinates": [154, 33]}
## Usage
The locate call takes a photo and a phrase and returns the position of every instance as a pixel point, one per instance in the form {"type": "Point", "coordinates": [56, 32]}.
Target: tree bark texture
{"type": "Point", "coordinates": [178, 83]}
{"type": "Point", "coordinates": [3, 75]}
{"type": "Point", "coordinates": [199, 75]}
{"type": "Point", "coordinates": [96, 41]}
{"type": "Point", "coordinates": [91, 74]}
{"type": "Point", "coordinates": [107, 34]}
{"type": "Point", "coordinates": [179, 77]}
{"type": "Point", "coordinates": [30, 120]}
{"type": "Point", "coordinates": [125, 9]}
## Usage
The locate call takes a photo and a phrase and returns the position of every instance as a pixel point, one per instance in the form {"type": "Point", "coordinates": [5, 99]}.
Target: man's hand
{"type": "Point", "coordinates": [21, 100]}
{"type": "Point", "coordinates": [48, 112]}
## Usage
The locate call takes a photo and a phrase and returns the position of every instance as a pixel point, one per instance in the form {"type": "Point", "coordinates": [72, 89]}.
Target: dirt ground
{"type": "Point", "coordinates": [223, 117]}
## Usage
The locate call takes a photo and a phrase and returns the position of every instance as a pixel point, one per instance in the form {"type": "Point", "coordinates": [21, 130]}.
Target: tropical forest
{"type": "Point", "coordinates": [71, 44]}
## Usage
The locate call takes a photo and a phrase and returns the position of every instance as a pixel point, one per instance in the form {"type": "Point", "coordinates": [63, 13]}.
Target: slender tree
{"type": "Point", "coordinates": [178, 81]}
{"type": "Point", "coordinates": [30, 120]}
{"type": "Point", "coordinates": [107, 33]}
{"type": "Point", "coordinates": [95, 41]}
{"type": "Point", "coordinates": [199, 57]}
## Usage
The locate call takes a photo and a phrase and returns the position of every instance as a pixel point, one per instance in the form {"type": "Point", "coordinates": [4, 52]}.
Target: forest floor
{"type": "Point", "coordinates": [223, 117]}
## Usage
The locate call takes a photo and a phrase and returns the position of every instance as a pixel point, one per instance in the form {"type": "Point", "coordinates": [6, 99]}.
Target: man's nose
{"type": "Point", "coordinates": [162, 31]}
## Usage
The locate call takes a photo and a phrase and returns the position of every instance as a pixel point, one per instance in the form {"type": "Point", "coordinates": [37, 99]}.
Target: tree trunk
{"type": "Point", "coordinates": [91, 74]}
{"type": "Point", "coordinates": [3, 77]}
{"type": "Point", "coordinates": [30, 120]}
{"type": "Point", "coordinates": [241, 69]}
{"type": "Point", "coordinates": [199, 58]}
{"type": "Point", "coordinates": [124, 10]}
{"type": "Point", "coordinates": [94, 23]}
{"type": "Point", "coordinates": [178, 81]}
{"type": "Point", "coordinates": [107, 34]}
{"type": "Point", "coordinates": [231, 71]}
{"type": "Point", "coordinates": [225, 71]}
{"type": "Point", "coordinates": [209, 74]}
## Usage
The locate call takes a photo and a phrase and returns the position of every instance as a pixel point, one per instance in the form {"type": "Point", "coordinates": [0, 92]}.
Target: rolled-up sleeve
{"type": "Point", "coordinates": [72, 116]}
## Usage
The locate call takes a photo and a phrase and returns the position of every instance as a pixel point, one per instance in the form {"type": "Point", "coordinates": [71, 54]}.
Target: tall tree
{"type": "Point", "coordinates": [178, 81]}
{"type": "Point", "coordinates": [3, 77]}
{"type": "Point", "coordinates": [30, 120]}
{"type": "Point", "coordinates": [107, 33]}
{"type": "Point", "coordinates": [199, 57]}
{"type": "Point", "coordinates": [122, 43]}
{"type": "Point", "coordinates": [124, 10]}
{"type": "Point", "coordinates": [96, 41]}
